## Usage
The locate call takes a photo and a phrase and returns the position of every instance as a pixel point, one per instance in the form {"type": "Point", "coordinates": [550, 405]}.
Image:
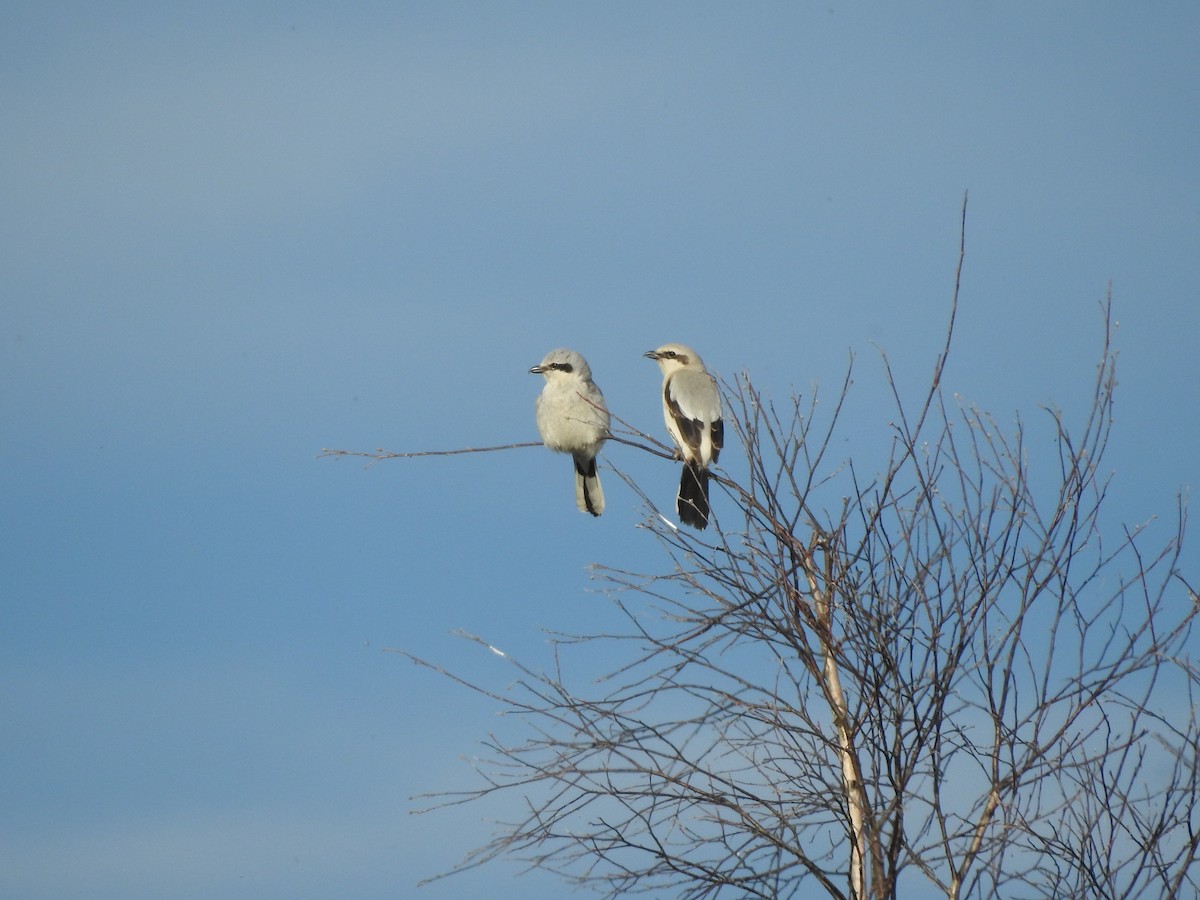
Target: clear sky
{"type": "Point", "coordinates": [234, 234]}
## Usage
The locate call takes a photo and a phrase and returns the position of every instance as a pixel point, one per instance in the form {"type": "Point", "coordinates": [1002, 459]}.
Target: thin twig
{"type": "Point", "coordinates": [658, 449]}
{"type": "Point", "coordinates": [381, 454]}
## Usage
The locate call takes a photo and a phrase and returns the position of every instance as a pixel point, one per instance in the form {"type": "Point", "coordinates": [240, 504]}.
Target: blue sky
{"type": "Point", "coordinates": [235, 234]}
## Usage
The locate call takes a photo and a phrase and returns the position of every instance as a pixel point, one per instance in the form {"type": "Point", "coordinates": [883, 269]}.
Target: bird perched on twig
{"type": "Point", "coordinates": [692, 411]}
{"type": "Point", "coordinates": [572, 418]}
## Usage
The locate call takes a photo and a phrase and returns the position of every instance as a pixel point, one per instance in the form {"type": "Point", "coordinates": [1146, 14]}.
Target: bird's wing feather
{"type": "Point", "coordinates": [688, 430]}
{"type": "Point", "coordinates": [694, 405]}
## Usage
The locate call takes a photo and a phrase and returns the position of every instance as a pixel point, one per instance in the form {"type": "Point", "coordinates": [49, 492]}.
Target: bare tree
{"type": "Point", "coordinates": [948, 677]}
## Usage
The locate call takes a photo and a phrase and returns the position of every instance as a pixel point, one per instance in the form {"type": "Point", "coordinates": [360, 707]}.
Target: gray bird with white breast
{"type": "Point", "coordinates": [692, 411]}
{"type": "Point", "coordinates": [572, 418]}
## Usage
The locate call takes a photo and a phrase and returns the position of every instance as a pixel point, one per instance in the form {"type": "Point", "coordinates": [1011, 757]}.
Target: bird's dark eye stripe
{"type": "Point", "coordinates": [563, 367]}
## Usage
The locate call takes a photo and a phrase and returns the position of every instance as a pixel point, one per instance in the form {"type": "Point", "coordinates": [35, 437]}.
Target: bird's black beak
{"type": "Point", "coordinates": [651, 354]}
{"type": "Point", "coordinates": [536, 370]}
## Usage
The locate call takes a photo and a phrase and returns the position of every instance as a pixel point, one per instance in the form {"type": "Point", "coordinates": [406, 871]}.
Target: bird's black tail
{"type": "Point", "coordinates": [692, 504]}
{"type": "Point", "coordinates": [589, 496]}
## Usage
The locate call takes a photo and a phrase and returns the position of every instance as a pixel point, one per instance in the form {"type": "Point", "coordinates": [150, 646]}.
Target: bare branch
{"type": "Point", "coordinates": [938, 672]}
{"type": "Point", "coordinates": [380, 454]}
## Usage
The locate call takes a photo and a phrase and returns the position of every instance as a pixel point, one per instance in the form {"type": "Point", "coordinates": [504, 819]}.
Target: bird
{"type": "Point", "coordinates": [692, 411]}
{"type": "Point", "coordinates": [572, 418]}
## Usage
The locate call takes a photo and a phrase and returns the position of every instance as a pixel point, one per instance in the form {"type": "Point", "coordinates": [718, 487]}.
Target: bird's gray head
{"type": "Point", "coordinates": [675, 356]}
{"type": "Point", "coordinates": [563, 362]}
